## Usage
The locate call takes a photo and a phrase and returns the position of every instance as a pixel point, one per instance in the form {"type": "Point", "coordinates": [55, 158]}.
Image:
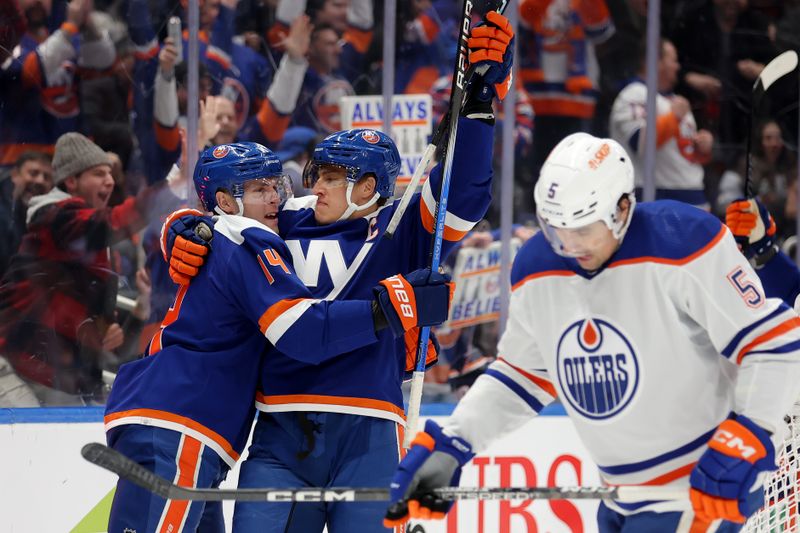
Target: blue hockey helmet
{"type": "Point", "coordinates": [359, 152]}
{"type": "Point", "coordinates": [229, 166]}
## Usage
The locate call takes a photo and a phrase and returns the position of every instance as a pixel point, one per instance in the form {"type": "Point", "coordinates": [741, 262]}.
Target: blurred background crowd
{"type": "Point", "coordinates": [93, 107]}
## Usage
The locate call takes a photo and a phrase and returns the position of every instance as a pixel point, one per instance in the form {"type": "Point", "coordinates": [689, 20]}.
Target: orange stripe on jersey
{"type": "Point", "coordinates": [273, 124]}
{"type": "Point", "coordinates": [359, 39]}
{"type": "Point", "coordinates": [9, 153]}
{"type": "Point", "coordinates": [666, 261]}
{"type": "Point", "coordinates": [531, 75]}
{"type": "Point", "coordinates": [275, 311]}
{"type": "Point", "coordinates": [778, 330]}
{"type": "Point", "coordinates": [429, 223]}
{"type": "Point", "coordinates": [562, 107]}
{"type": "Point", "coordinates": [330, 400]}
{"type": "Point", "coordinates": [540, 382]}
{"type": "Point", "coordinates": [176, 511]}
{"type": "Point", "coordinates": [31, 73]}
{"type": "Point", "coordinates": [429, 26]}
{"type": "Point", "coordinates": [592, 13]}
{"type": "Point", "coordinates": [666, 128]}
{"type": "Point", "coordinates": [543, 274]}
{"type": "Point", "coordinates": [678, 473]}
{"type": "Point", "coordinates": [175, 419]}
{"type": "Point", "coordinates": [422, 81]}
{"type": "Point", "coordinates": [167, 137]}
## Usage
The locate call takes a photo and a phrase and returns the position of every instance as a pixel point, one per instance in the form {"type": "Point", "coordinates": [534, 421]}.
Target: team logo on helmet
{"type": "Point", "coordinates": [597, 368]}
{"type": "Point", "coordinates": [221, 151]}
{"type": "Point", "coordinates": [371, 137]}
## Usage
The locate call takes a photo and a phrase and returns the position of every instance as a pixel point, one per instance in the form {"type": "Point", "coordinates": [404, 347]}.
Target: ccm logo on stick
{"type": "Point", "coordinates": [311, 496]}
{"type": "Point", "coordinates": [734, 443]}
{"type": "Point", "coordinates": [401, 295]}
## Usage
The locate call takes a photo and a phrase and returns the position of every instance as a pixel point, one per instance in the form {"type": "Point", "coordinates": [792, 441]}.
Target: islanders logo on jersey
{"type": "Point", "coordinates": [598, 369]}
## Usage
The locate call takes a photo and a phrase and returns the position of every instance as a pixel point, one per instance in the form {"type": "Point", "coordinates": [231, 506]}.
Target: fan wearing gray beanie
{"type": "Point", "coordinates": [58, 296]}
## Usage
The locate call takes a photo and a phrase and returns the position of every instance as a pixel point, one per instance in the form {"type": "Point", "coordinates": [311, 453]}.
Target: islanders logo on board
{"type": "Point", "coordinates": [221, 151]}
{"type": "Point", "coordinates": [598, 369]}
{"type": "Point", "coordinates": [370, 136]}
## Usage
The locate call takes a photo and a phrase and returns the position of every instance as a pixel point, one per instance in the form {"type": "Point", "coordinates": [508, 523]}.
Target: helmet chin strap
{"type": "Point", "coordinates": [351, 207]}
{"type": "Point", "coordinates": [239, 211]}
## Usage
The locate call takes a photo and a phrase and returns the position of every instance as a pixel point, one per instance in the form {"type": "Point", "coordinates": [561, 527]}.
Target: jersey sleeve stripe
{"type": "Point", "coordinates": [454, 227]}
{"type": "Point", "coordinates": [542, 383]}
{"type": "Point", "coordinates": [528, 398]}
{"type": "Point", "coordinates": [182, 424]}
{"type": "Point", "coordinates": [667, 261]}
{"type": "Point", "coordinates": [629, 468]}
{"type": "Point", "coordinates": [786, 348]}
{"type": "Point", "coordinates": [782, 328]}
{"type": "Point", "coordinates": [731, 347]}
{"type": "Point", "coordinates": [281, 315]}
{"type": "Point", "coordinates": [543, 274]}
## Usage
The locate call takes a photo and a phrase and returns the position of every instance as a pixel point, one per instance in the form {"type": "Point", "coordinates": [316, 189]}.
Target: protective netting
{"type": "Point", "coordinates": [780, 511]}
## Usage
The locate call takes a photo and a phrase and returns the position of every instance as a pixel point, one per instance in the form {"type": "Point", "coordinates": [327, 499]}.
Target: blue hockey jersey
{"type": "Point", "coordinates": [200, 371]}
{"type": "Point", "coordinates": [346, 259]}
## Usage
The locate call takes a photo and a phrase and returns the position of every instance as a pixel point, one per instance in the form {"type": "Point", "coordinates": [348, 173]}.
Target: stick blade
{"type": "Point", "coordinates": [777, 68]}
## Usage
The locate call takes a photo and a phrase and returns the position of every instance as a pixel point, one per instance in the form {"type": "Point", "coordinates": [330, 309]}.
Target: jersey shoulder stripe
{"type": "Point", "coordinates": [668, 232]}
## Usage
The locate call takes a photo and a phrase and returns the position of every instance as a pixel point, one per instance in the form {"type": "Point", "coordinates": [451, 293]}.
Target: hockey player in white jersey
{"type": "Point", "coordinates": [652, 329]}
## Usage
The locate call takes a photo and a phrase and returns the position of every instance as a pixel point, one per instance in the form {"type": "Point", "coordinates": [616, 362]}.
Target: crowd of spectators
{"type": "Point", "coordinates": [93, 106]}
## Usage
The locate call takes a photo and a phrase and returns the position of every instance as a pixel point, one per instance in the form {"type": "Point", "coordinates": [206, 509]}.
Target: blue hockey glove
{"type": "Point", "coordinates": [491, 52]}
{"type": "Point", "coordinates": [185, 241]}
{"type": "Point", "coordinates": [723, 481]}
{"type": "Point", "coordinates": [753, 227]}
{"type": "Point", "coordinates": [434, 460]}
{"type": "Point", "coordinates": [422, 298]}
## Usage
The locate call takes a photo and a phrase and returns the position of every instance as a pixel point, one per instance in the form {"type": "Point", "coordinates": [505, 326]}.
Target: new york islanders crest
{"type": "Point", "coordinates": [598, 369]}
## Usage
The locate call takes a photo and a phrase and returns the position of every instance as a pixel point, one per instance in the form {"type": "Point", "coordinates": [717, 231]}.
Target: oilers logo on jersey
{"type": "Point", "coordinates": [597, 368]}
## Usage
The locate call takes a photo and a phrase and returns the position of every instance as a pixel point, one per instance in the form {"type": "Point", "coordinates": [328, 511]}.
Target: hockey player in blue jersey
{"type": "Point", "coordinates": [185, 409]}
{"type": "Point", "coordinates": [653, 330]}
{"type": "Point", "coordinates": [754, 229]}
{"type": "Point", "coordinates": [341, 423]}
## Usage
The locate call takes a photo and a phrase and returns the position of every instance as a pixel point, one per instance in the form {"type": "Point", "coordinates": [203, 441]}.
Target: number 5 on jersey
{"type": "Point", "coordinates": [273, 260]}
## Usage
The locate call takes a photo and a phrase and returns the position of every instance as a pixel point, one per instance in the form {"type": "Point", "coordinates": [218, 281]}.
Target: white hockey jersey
{"type": "Point", "coordinates": [648, 355]}
{"type": "Point", "coordinates": [676, 167]}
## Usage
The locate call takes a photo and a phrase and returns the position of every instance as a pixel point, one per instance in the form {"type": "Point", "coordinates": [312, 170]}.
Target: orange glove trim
{"type": "Point", "coordinates": [425, 440]}
{"type": "Point", "coordinates": [483, 42]}
{"type": "Point", "coordinates": [485, 55]}
{"type": "Point", "coordinates": [709, 508]}
{"type": "Point", "coordinates": [735, 440]}
{"type": "Point", "coordinates": [389, 524]}
{"type": "Point", "coordinates": [502, 23]}
{"type": "Point", "coordinates": [403, 300]}
{"type": "Point", "coordinates": [491, 34]}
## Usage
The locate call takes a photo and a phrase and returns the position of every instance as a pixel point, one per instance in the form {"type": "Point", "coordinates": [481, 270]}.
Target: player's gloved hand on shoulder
{"type": "Point", "coordinates": [491, 52]}
{"type": "Point", "coordinates": [412, 342]}
{"type": "Point", "coordinates": [421, 298]}
{"type": "Point", "coordinates": [724, 481]}
{"type": "Point", "coordinates": [753, 227]}
{"type": "Point", "coordinates": [434, 460]}
{"type": "Point", "coordinates": [185, 241]}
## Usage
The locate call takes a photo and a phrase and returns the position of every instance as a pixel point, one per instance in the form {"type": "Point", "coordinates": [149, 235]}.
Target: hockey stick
{"type": "Point", "coordinates": [458, 90]}
{"type": "Point", "coordinates": [775, 69]}
{"type": "Point", "coordinates": [125, 468]}
{"type": "Point", "coordinates": [430, 150]}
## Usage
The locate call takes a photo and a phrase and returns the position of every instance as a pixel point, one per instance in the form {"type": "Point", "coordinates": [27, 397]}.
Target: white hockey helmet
{"type": "Point", "coordinates": [581, 182]}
